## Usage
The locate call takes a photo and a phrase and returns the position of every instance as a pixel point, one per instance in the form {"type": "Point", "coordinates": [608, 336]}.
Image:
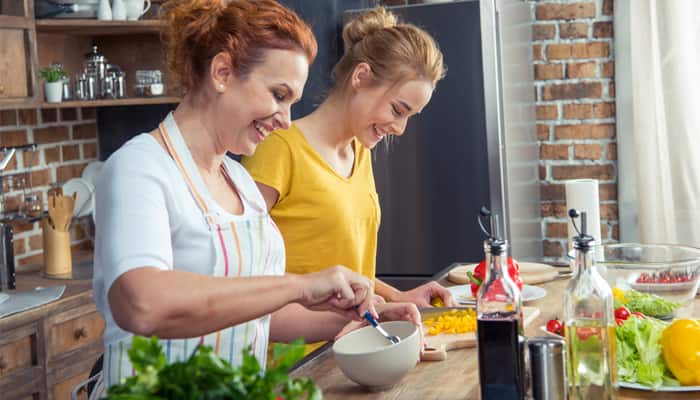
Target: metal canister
{"type": "Point", "coordinates": [67, 92]}
{"type": "Point", "coordinates": [91, 87]}
{"type": "Point", "coordinates": [548, 368]}
{"type": "Point", "coordinates": [96, 64]}
{"type": "Point", "coordinates": [80, 82]}
{"type": "Point", "coordinates": [119, 85]}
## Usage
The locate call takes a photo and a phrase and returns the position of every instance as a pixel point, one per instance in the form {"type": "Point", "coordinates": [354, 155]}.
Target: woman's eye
{"type": "Point", "coordinates": [395, 110]}
{"type": "Point", "coordinates": [279, 96]}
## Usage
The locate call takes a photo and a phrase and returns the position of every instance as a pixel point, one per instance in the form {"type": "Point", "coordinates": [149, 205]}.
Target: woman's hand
{"type": "Point", "coordinates": [337, 289]}
{"type": "Point", "coordinates": [422, 295]}
{"type": "Point", "coordinates": [389, 312]}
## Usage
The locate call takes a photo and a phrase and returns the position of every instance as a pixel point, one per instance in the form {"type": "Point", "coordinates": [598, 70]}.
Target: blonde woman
{"type": "Point", "coordinates": [316, 176]}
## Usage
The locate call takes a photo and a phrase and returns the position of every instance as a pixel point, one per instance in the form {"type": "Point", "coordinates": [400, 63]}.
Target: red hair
{"type": "Point", "coordinates": [197, 30]}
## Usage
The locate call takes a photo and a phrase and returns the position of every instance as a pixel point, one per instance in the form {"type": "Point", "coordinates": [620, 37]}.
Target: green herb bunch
{"type": "Point", "coordinates": [207, 376]}
{"type": "Point", "coordinates": [53, 73]}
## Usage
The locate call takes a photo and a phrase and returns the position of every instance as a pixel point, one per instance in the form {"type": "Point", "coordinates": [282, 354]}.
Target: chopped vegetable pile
{"type": "Point", "coordinates": [645, 303]}
{"type": "Point", "coordinates": [454, 321]}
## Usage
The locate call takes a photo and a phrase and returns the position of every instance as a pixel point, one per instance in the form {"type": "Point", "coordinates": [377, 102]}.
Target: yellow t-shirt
{"type": "Point", "coordinates": [326, 219]}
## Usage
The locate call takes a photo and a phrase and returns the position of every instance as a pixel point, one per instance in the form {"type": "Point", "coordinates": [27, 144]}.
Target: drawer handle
{"type": "Point", "coordinates": [3, 364]}
{"type": "Point", "coordinates": [81, 333]}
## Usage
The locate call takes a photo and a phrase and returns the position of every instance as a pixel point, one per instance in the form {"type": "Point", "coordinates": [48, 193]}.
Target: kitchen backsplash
{"type": "Point", "coordinates": [67, 141]}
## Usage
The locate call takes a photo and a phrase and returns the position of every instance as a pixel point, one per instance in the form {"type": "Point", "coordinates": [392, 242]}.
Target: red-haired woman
{"type": "Point", "coordinates": [185, 247]}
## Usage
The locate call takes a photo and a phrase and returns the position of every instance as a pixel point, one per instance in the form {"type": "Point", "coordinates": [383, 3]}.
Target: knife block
{"type": "Point", "coordinates": [58, 261]}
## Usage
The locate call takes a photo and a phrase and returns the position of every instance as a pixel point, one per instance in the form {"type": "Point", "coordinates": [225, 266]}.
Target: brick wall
{"type": "Point", "coordinates": [575, 89]}
{"type": "Point", "coordinates": [67, 141]}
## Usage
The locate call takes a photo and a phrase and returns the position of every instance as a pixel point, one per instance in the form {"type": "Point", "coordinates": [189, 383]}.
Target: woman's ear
{"type": "Point", "coordinates": [362, 76]}
{"type": "Point", "coordinates": [221, 71]}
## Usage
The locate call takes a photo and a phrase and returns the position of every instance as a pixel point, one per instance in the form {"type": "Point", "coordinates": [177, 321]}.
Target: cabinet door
{"type": "Point", "coordinates": [62, 390]}
{"type": "Point", "coordinates": [13, 63]}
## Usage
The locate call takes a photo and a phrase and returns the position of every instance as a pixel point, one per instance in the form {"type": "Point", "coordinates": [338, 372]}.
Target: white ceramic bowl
{"type": "Point", "coordinates": [367, 358]}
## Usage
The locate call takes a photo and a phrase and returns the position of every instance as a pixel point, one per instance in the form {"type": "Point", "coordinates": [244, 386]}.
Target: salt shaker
{"type": "Point", "coordinates": [547, 368]}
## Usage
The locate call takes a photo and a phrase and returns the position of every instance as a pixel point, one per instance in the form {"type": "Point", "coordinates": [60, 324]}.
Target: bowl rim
{"type": "Point", "coordinates": [647, 264]}
{"type": "Point", "coordinates": [355, 332]}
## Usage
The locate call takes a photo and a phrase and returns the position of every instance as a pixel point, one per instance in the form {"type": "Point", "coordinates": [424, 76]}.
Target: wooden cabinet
{"type": "Point", "coordinates": [17, 67]}
{"type": "Point", "coordinates": [48, 350]}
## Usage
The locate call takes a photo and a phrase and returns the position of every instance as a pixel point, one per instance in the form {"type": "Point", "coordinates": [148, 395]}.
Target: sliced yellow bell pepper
{"type": "Point", "coordinates": [681, 349]}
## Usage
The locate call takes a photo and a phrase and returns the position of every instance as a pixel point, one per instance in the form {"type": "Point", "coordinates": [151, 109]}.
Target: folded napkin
{"type": "Point", "coordinates": [21, 301]}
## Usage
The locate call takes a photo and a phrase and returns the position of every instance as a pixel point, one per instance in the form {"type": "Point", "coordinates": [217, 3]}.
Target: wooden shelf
{"type": "Point", "coordinates": [132, 101]}
{"type": "Point", "coordinates": [90, 27]}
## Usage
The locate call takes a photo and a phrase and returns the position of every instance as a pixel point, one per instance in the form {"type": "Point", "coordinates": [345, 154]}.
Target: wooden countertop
{"type": "Point", "coordinates": [458, 376]}
{"type": "Point", "coordinates": [31, 277]}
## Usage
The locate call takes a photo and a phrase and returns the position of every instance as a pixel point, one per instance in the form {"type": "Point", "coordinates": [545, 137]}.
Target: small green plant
{"type": "Point", "coordinates": [53, 73]}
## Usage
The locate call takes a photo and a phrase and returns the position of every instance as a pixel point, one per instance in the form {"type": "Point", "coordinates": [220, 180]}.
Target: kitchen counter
{"type": "Point", "coordinates": [458, 376]}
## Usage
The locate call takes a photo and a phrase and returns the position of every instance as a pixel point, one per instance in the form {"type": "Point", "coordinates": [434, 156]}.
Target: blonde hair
{"type": "Point", "coordinates": [395, 51]}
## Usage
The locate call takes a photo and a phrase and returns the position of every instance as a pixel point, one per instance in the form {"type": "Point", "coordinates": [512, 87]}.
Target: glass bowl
{"type": "Point", "coordinates": [669, 271]}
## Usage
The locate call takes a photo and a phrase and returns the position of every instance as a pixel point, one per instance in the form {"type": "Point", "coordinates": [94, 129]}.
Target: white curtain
{"type": "Point", "coordinates": [657, 50]}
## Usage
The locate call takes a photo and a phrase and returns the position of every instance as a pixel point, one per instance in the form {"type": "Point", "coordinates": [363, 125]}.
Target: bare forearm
{"type": "Point", "coordinates": [385, 290]}
{"type": "Point", "coordinates": [294, 321]}
{"type": "Point", "coordinates": [175, 304]}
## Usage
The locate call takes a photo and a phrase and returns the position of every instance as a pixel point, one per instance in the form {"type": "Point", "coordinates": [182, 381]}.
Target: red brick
{"type": "Point", "coordinates": [51, 134]}
{"type": "Point", "coordinates": [585, 131]}
{"type": "Point", "coordinates": [88, 113]}
{"type": "Point", "coordinates": [85, 131]}
{"type": "Point", "coordinates": [608, 211]}
{"type": "Point", "coordinates": [607, 70]}
{"type": "Point", "coordinates": [607, 7]}
{"type": "Point", "coordinates": [89, 150]}
{"type": "Point", "coordinates": [607, 191]}
{"type": "Point", "coordinates": [603, 29]}
{"type": "Point", "coordinates": [604, 110]}
{"type": "Point", "coordinates": [543, 31]}
{"type": "Point", "coordinates": [543, 172]}
{"type": "Point", "coordinates": [552, 249]}
{"type": "Point", "coordinates": [579, 90]}
{"type": "Point", "coordinates": [21, 226]}
{"type": "Point", "coordinates": [611, 89]}
{"type": "Point", "coordinates": [581, 70]}
{"type": "Point", "coordinates": [36, 242]}
{"type": "Point", "coordinates": [52, 155]}
{"type": "Point", "coordinates": [602, 172]}
{"type": "Point", "coordinates": [559, 51]}
{"type": "Point", "coordinates": [612, 151]}
{"type": "Point", "coordinates": [592, 151]}
{"type": "Point", "coordinates": [8, 117]}
{"type": "Point", "coordinates": [542, 132]}
{"type": "Point", "coordinates": [36, 259]}
{"type": "Point", "coordinates": [65, 172]}
{"type": "Point", "coordinates": [557, 230]}
{"type": "Point", "coordinates": [547, 112]}
{"type": "Point", "coordinates": [27, 117]}
{"type": "Point", "coordinates": [573, 30]}
{"type": "Point", "coordinates": [31, 158]}
{"type": "Point", "coordinates": [19, 247]}
{"type": "Point", "coordinates": [549, 71]}
{"type": "Point", "coordinates": [554, 152]}
{"type": "Point", "coordinates": [578, 50]}
{"type": "Point", "coordinates": [11, 203]}
{"type": "Point", "coordinates": [13, 138]}
{"type": "Point", "coordinates": [537, 52]}
{"type": "Point", "coordinates": [41, 177]}
{"type": "Point", "coordinates": [565, 11]}
{"type": "Point", "coordinates": [69, 114]}
{"type": "Point", "coordinates": [552, 192]}
{"type": "Point", "coordinates": [70, 152]}
{"type": "Point", "coordinates": [49, 115]}
{"type": "Point", "coordinates": [616, 232]}
{"type": "Point", "coordinates": [577, 111]}
{"type": "Point", "coordinates": [554, 210]}
{"type": "Point", "coordinates": [603, 231]}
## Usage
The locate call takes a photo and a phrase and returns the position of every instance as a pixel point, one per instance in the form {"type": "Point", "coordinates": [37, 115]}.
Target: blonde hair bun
{"type": "Point", "coordinates": [367, 23]}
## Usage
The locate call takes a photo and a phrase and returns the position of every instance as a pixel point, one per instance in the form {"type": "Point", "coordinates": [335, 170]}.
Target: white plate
{"type": "Point", "coordinates": [463, 293]}
{"type": "Point", "coordinates": [85, 201]}
{"type": "Point", "coordinates": [92, 172]}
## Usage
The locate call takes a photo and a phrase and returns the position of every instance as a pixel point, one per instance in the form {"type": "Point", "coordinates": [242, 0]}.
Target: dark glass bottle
{"type": "Point", "coordinates": [589, 326]}
{"type": "Point", "coordinates": [500, 341]}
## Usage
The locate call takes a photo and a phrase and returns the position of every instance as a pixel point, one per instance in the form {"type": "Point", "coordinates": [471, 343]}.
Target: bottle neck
{"type": "Point", "coordinates": [584, 261]}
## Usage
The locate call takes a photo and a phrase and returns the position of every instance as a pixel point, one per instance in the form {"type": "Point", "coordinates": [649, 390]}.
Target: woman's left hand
{"type": "Point", "coordinates": [424, 294]}
{"type": "Point", "coordinates": [389, 312]}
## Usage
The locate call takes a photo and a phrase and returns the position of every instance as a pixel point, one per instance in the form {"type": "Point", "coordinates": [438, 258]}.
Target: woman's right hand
{"type": "Point", "coordinates": [337, 289]}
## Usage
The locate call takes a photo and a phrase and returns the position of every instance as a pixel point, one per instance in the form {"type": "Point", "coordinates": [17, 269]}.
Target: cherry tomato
{"type": "Point", "coordinates": [619, 321]}
{"type": "Point", "coordinates": [585, 333]}
{"type": "Point", "coordinates": [555, 326]}
{"type": "Point", "coordinates": [639, 315]}
{"type": "Point", "coordinates": [622, 313]}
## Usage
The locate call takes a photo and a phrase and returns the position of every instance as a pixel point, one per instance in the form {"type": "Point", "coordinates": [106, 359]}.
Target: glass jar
{"type": "Point", "coordinates": [149, 83]}
{"type": "Point", "coordinates": [32, 206]}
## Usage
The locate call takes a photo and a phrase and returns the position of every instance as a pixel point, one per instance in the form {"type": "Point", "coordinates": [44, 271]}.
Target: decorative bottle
{"type": "Point", "coordinates": [500, 341]}
{"type": "Point", "coordinates": [589, 325]}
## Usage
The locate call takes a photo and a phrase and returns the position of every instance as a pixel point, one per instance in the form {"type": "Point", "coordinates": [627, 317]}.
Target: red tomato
{"type": "Point", "coordinates": [555, 326]}
{"type": "Point", "coordinates": [585, 333]}
{"type": "Point", "coordinates": [622, 313]}
{"type": "Point", "coordinates": [619, 321]}
{"type": "Point", "coordinates": [639, 315]}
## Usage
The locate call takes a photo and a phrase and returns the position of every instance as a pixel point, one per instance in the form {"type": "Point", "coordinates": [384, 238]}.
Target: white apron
{"type": "Point", "coordinates": [244, 247]}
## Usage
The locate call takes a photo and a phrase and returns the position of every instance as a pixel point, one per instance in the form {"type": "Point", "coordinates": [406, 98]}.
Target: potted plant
{"type": "Point", "coordinates": [53, 87]}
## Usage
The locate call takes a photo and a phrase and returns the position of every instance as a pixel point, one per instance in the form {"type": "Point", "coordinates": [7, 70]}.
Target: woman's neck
{"type": "Point", "coordinates": [330, 123]}
{"type": "Point", "coordinates": [197, 129]}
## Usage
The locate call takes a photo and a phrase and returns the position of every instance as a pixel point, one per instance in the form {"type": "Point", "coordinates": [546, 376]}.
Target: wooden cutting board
{"type": "Point", "coordinates": [439, 345]}
{"type": "Point", "coordinates": [530, 273]}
